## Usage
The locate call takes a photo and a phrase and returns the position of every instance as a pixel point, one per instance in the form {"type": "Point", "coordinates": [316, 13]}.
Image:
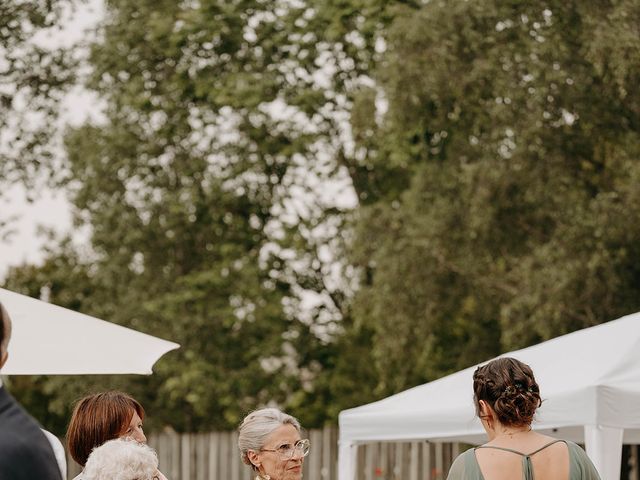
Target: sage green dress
{"type": "Point", "coordinates": [466, 467]}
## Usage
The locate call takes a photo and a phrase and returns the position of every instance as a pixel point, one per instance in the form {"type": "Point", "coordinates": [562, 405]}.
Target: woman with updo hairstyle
{"type": "Point", "coordinates": [270, 443]}
{"type": "Point", "coordinates": [506, 396]}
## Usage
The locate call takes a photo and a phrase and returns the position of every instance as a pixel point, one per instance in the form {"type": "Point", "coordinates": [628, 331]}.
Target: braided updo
{"type": "Point", "coordinates": [510, 388]}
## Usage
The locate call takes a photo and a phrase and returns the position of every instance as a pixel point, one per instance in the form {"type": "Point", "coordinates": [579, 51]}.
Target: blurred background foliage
{"type": "Point", "coordinates": [328, 202]}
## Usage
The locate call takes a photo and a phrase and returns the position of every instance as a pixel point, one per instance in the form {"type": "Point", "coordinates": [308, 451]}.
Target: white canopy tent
{"type": "Point", "coordinates": [51, 340]}
{"type": "Point", "coordinates": [590, 385]}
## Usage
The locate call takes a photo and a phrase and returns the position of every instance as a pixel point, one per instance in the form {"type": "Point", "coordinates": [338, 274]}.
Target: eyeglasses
{"type": "Point", "coordinates": [287, 450]}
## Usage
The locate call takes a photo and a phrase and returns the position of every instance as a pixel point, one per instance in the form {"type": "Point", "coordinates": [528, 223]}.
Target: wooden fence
{"type": "Point", "coordinates": [214, 456]}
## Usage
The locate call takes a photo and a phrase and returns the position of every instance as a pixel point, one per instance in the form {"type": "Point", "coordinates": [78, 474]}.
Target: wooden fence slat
{"type": "Point", "coordinates": [360, 462]}
{"type": "Point", "coordinates": [314, 459]}
{"type": "Point", "coordinates": [325, 472]}
{"type": "Point", "coordinates": [201, 456]}
{"type": "Point", "coordinates": [446, 458]}
{"type": "Point", "coordinates": [439, 461]}
{"type": "Point", "coordinates": [426, 460]}
{"type": "Point", "coordinates": [214, 446]}
{"type": "Point", "coordinates": [235, 463]}
{"type": "Point", "coordinates": [397, 464]}
{"type": "Point", "coordinates": [175, 455]}
{"type": "Point", "coordinates": [368, 461]}
{"type": "Point", "coordinates": [334, 453]}
{"type": "Point", "coordinates": [157, 441]}
{"type": "Point", "coordinates": [185, 465]}
{"type": "Point", "coordinates": [224, 454]}
{"type": "Point", "coordinates": [414, 461]}
{"type": "Point", "coordinates": [383, 461]}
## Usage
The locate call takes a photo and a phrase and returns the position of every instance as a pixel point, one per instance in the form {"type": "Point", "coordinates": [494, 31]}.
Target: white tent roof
{"type": "Point", "coordinates": [51, 340]}
{"type": "Point", "coordinates": [587, 378]}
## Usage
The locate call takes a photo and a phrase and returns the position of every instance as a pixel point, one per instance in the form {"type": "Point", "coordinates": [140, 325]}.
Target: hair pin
{"type": "Point", "coordinates": [510, 390]}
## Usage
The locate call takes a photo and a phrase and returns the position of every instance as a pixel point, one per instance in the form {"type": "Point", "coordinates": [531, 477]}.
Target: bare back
{"type": "Point", "coordinates": [535, 456]}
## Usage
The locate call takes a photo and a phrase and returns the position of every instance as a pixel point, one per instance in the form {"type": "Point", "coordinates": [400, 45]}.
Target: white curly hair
{"type": "Point", "coordinates": [121, 459]}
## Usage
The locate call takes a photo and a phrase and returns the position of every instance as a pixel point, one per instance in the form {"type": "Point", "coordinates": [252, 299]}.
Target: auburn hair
{"type": "Point", "coordinates": [98, 418]}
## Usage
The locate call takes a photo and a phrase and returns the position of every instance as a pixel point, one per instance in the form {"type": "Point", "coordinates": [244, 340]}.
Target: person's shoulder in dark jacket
{"type": "Point", "coordinates": [25, 452]}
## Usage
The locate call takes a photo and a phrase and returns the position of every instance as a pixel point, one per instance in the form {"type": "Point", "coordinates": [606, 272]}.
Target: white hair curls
{"type": "Point", "coordinates": [121, 459]}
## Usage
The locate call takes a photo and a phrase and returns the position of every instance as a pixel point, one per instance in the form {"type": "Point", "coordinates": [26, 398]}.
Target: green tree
{"type": "Point", "coordinates": [203, 194]}
{"type": "Point", "coordinates": [513, 128]}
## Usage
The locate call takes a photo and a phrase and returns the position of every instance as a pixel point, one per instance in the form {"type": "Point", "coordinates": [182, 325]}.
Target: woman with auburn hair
{"type": "Point", "coordinates": [506, 396]}
{"type": "Point", "coordinates": [101, 417]}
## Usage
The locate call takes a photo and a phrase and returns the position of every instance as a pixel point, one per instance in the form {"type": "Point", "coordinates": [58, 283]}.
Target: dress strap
{"type": "Point", "coordinates": [527, 467]}
{"type": "Point", "coordinates": [503, 449]}
{"type": "Point", "coordinates": [520, 453]}
{"type": "Point", "coordinates": [547, 445]}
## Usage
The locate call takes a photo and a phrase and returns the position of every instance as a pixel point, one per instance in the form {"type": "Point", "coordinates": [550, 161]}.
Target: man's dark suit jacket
{"type": "Point", "coordinates": [25, 453]}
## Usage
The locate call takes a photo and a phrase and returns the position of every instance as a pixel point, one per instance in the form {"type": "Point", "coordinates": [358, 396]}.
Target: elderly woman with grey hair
{"type": "Point", "coordinates": [122, 459]}
{"type": "Point", "coordinates": [270, 443]}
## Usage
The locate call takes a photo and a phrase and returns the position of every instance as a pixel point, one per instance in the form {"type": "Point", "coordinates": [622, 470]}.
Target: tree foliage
{"type": "Point", "coordinates": [33, 80]}
{"type": "Point", "coordinates": [203, 194]}
{"type": "Point", "coordinates": [517, 129]}
{"type": "Point", "coordinates": [490, 151]}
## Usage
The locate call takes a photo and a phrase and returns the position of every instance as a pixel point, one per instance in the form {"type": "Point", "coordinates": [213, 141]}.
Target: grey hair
{"type": "Point", "coordinates": [257, 426]}
{"type": "Point", "coordinates": [121, 459]}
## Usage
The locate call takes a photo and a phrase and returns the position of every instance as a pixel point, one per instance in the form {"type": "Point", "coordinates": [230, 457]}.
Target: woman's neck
{"type": "Point", "coordinates": [508, 433]}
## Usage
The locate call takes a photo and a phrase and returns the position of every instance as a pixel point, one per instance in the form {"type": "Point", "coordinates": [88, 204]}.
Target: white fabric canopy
{"type": "Point", "coordinates": [51, 340]}
{"type": "Point", "coordinates": [589, 381]}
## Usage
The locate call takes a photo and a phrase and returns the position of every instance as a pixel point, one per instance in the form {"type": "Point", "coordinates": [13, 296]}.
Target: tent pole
{"type": "Point", "coordinates": [604, 447]}
{"type": "Point", "coordinates": [347, 460]}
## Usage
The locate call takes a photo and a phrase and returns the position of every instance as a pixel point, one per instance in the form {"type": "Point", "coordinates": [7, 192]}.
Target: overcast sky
{"type": "Point", "coordinates": [25, 245]}
{"type": "Point", "coordinates": [51, 209]}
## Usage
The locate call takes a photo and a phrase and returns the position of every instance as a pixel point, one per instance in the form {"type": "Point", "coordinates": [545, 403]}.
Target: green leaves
{"type": "Point", "coordinates": [34, 79]}
{"type": "Point", "coordinates": [213, 122]}
{"type": "Point", "coordinates": [304, 194]}
{"type": "Point", "coordinates": [513, 130]}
